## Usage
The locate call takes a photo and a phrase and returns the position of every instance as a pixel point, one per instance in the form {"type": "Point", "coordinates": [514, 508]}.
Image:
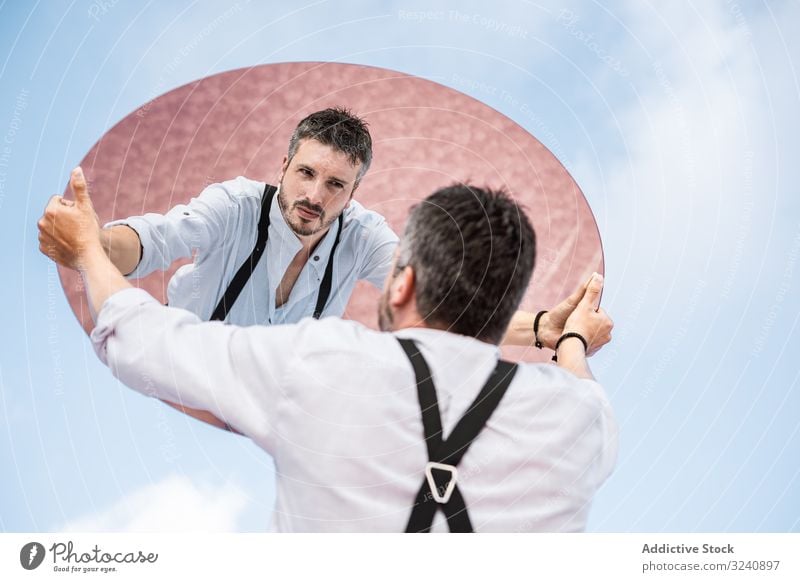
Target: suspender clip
{"type": "Point", "coordinates": [438, 495]}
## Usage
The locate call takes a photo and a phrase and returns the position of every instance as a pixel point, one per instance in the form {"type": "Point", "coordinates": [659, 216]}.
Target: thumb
{"type": "Point", "coordinates": [574, 299]}
{"type": "Point", "coordinates": [593, 291]}
{"type": "Point", "coordinates": [77, 183]}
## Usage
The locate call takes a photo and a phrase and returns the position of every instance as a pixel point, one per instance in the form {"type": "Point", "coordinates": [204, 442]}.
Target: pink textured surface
{"type": "Point", "coordinates": [425, 136]}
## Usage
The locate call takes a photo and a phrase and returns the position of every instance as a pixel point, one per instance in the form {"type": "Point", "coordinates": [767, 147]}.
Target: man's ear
{"type": "Point", "coordinates": [284, 165]}
{"type": "Point", "coordinates": [403, 287]}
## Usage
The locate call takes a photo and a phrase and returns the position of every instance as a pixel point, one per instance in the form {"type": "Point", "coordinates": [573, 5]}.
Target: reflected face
{"type": "Point", "coordinates": [317, 184]}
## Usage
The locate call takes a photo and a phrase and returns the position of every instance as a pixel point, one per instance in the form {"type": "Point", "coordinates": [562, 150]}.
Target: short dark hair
{"type": "Point", "coordinates": [338, 128]}
{"type": "Point", "coordinates": [473, 252]}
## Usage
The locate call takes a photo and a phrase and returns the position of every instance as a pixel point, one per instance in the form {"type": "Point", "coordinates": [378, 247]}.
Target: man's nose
{"type": "Point", "coordinates": [316, 193]}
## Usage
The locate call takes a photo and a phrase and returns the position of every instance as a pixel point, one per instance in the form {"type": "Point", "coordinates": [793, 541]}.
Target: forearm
{"type": "Point", "coordinates": [572, 357]}
{"type": "Point", "coordinates": [101, 278]}
{"type": "Point", "coordinates": [520, 330]}
{"type": "Point", "coordinates": [122, 245]}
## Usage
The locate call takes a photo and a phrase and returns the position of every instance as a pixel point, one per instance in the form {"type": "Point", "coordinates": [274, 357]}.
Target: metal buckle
{"type": "Point", "coordinates": [448, 491]}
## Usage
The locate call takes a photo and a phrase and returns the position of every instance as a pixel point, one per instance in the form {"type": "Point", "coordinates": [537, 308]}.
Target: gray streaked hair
{"type": "Point", "coordinates": [473, 251]}
{"type": "Point", "coordinates": [338, 128]}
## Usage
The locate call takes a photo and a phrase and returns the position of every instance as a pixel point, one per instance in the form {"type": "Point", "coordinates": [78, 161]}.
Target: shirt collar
{"type": "Point", "coordinates": [432, 337]}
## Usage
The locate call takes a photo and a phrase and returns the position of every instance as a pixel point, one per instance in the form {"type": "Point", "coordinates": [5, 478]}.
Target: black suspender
{"type": "Point", "coordinates": [327, 279]}
{"type": "Point", "coordinates": [440, 488]}
{"type": "Point", "coordinates": [246, 270]}
{"type": "Point", "coordinates": [243, 274]}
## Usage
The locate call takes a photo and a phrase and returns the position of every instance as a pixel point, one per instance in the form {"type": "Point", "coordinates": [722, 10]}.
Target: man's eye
{"type": "Point", "coordinates": [336, 184]}
{"type": "Point", "coordinates": [305, 171]}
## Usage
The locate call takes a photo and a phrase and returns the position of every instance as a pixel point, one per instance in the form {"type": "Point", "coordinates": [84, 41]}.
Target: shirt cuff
{"type": "Point", "coordinates": [112, 310]}
{"type": "Point", "coordinates": [141, 227]}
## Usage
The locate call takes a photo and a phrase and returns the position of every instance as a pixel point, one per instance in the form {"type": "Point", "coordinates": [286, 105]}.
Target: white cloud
{"type": "Point", "coordinates": [691, 202]}
{"type": "Point", "coordinates": [697, 133]}
{"type": "Point", "coordinates": [173, 504]}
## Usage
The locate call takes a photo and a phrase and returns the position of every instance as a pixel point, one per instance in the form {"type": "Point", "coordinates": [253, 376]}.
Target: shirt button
{"type": "Point", "coordinates": [316, 257]}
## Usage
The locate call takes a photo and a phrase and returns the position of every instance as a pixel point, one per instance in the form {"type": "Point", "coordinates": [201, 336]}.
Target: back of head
{"type": "Point", "coordinates": [473, 252]}
{"type": "Point", "coordinates": [340, 129]}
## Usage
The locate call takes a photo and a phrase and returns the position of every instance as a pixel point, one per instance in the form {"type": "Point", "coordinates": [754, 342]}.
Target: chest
{"type": "Point", "coordinates": [293, 270]}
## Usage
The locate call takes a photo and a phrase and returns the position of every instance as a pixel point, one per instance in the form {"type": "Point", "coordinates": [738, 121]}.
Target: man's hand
{"type": "Point", "coordinates": [551, 324]}
{"type": "Point", "coordinates": [69, 230]}
{"type": "Point", "coordinates": [588, 319]}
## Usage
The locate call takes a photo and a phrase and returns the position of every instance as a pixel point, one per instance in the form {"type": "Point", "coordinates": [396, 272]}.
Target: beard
{"type": "Point", "coordinates": [299, 226]}
{"type": "Point", "coordinates": [385, 315]}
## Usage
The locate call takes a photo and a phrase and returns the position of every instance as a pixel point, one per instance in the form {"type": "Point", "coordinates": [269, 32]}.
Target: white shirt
{"type": "Point", "coordinates": [335, 404]}
{"type": "Point", "coordinates": [220, 227]}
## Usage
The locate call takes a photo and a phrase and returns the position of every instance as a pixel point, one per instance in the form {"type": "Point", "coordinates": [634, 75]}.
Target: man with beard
{"type": "Point", "coordinates": [378, 431]}
{"type": "Point", "coordinates": [303, 228]}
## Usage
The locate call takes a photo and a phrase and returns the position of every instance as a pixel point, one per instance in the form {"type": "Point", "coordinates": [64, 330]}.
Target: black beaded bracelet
{"type": "Point", "coordinates": [536, 319]}
{"type": "Point", "coordinates": [568, 335]}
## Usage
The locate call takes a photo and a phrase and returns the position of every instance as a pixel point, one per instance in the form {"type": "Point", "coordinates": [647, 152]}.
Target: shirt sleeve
{"type": "Point", "coordinates": [185, 229]}
{"type": "Point", "coordinates": [581, 452]}
{"type": "Point", "coordinates": [601, 418]}
{"type": "Point", "coordinates": [380, 251]}
{"type": "Point", "coordinates": [169, 353]}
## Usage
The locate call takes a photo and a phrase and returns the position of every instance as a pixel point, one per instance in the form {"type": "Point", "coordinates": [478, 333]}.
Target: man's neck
{"type": "Point", "coordinates": [311, 241]}
{"type": "Point", "coordinates": [410, 318]}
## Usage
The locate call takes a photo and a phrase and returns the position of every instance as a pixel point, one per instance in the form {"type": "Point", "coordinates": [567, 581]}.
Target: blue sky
{"type": "Point", "coordinates": [679, 121]}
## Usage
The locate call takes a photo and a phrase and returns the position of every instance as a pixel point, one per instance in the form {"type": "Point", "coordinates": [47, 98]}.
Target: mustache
{"type": "Point", "coordinates": [308, 206]}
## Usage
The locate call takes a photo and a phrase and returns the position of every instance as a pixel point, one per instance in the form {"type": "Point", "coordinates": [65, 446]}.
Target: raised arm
{"type": "Point", "coordinates": [592, 324]}
{"type": "Point", "coordinates": [70, 234]}
{"type": "Point", "coordinates": [156, 350]}
{"type": "Point", "coordinates": [140, 245]}
{"type": "Point", "coordinates": [122, 245]}
{"type": "Point", "coordinates": [124, 248]}
{"type": "Point", "coordinates": [551, 324]}
{"type": "Point", "coordinates": [167, 237]}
